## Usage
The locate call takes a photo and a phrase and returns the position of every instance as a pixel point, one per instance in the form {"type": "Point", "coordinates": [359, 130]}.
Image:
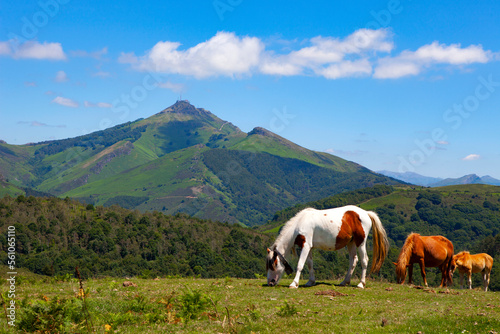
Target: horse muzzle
{"type": "Point", "coordinates": [272, 282]}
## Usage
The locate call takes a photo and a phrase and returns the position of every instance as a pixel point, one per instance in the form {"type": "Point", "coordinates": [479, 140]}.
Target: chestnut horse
{"type": "Point", "coordinates": [330, 229]}
{"type": "Point", "coordinates": [468, 264]}
{"type": "Point", "coordinates": [432, 251]}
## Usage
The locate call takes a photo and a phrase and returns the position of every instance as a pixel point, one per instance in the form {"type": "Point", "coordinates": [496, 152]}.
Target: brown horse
{"type": "Point", "coordinates": [468, 264]}
{"type": "Point", "coordinates": [432, 251]}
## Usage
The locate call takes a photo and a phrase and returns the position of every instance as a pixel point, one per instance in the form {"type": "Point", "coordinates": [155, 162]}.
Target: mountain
{"type": "Point", "coordinates": [184, 159]}
{"type": "Point", "coordinates": [467, 179]}
{"type": "Point", "coordinates": [412, 178]}
{"type": "Point", "coordinates": [427, 181]}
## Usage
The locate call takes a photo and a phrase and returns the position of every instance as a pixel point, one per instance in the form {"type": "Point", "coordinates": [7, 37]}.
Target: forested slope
{"type": "Point", "coordinates": [53, 236]}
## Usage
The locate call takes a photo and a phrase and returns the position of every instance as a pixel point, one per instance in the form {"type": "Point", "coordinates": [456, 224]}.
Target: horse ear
{"type": "Point", "coordinates": [268, 251]}
{"type": "Point", "coordinates": [394, 263]}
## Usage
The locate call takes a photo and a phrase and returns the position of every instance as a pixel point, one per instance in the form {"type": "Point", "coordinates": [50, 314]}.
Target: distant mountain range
{"type": "Point", "coordinates": [182, 159]}
{"type": "Point", "coordinates": [427, 181]}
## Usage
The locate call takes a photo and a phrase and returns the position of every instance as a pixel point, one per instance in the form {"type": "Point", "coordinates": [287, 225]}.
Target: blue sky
{"type": "Point", "coordinates": [398, 85]}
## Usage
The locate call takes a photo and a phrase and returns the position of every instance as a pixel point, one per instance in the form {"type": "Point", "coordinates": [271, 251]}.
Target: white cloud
{"type": "Point", "coordinates": [5, 49]}
{"type": "Point", "coordinates": [331, 57]}
{"type": "Point", "coordinates": [346, 69]}
{"type": "Point", "coordinates": [472, 157]}
{"type": "Point", "coordinates": [128, 58]}
{"type": "Point", "coordinates": [33, 50]}
{"type": "Point", "coordinates": [61, 76]}
{"type": "Point", "coordinates": [225, 54]}
{"type": "Point", "coordinates": [358, 54]}
{"type": "Point", "coordinates": [65, 102]}
{"type": "Point", "coordinates": [414, 62]}
{"type": "Point", "coordinates": [88, 104]}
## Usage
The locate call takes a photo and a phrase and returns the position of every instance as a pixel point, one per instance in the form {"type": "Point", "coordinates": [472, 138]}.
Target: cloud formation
{"type": "Point", "coordinates": [32, 50]}
{"type": "Point", "coordinates": [472, 157]}
{"type": "Point", "coordinates": [225, 54]}
{"type": "Point", "coordinates": [63, 101]}
{"type": "Point", "coordinates": [61, 76]}
{"type": "Point", "coordinates": [365, 53]}
{"type": "Point", "coordinates": [413, 62]}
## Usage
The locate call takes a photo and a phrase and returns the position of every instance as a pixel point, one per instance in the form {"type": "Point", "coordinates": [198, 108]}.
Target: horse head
{"type": "Point", "coordinates": [400, 272]}
{"type": "Point", "coordinates": [276, 264]}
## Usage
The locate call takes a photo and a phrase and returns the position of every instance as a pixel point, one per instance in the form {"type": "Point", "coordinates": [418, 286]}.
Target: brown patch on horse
{"type": "Point", "coordinates": [350, 230]}
{"type": "Point", "coordinates": [300, 240]}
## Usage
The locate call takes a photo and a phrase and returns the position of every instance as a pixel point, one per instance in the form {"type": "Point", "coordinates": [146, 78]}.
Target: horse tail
{"type": "Point", "coordinates": [488, 262]}
{"type": "Point", "coordinates": [380, 242]}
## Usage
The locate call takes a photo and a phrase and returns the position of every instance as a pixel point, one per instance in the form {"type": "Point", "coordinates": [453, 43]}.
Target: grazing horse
{"type": "Point", "coordinates": [469, 264]}
{"type": "Point", "coordinates": [330, 229]}
{"type": "Point", "coordinates": [432, 251]}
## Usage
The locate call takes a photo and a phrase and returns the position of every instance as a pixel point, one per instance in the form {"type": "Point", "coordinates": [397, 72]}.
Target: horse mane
{"type": "Point", "coordinates": [289, 226]}
{"type": "Point", "coordinates": [464, 259]}
{"type": "Point", "coordinates": [406, 251]}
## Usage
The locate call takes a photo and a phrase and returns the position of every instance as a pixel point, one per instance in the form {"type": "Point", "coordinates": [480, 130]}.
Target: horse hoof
{"type": "Point", "coordinates": [309, 284]}
{"type": "Point", "coordinates": [361, 285]}
{"type": "Point", "coordinates": [294, 286]}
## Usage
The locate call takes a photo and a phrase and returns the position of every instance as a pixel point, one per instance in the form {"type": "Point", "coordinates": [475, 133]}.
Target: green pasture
{"type": "Point", "coordinates": [230, 305]}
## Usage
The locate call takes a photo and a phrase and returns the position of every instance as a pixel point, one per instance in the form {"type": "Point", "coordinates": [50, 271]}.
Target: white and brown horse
{"type": "Point", "coordinates": [330, 229]}
{"type": "Point", "coordinates": [469, 264]}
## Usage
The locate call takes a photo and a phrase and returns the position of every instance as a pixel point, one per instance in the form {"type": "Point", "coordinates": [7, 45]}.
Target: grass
{"type": "Point", "coordinates": [229, 305]}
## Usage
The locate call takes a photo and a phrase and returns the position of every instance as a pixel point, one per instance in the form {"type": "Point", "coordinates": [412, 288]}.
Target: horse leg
{"type": "Point", "coordinates": [410, 273]}
{"type": "Point", "coordinates": [469, 278]}
{"type": "Point", "coordinates": [444, 277]}
{"type": "Point", "coordinates": [309, 262]}
{"type": "Point", "coordinates": [302, 259]}
{"type": "Point", "coordinates": [364, 264]}
{"type": "Point", "coordinates": [422, 271]}
{"type": "Point", "coordinates": [353, 260]}
{"type": "Point", "coordinates": [486, 279]}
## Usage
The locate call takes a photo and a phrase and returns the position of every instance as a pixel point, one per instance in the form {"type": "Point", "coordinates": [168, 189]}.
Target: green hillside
{"type": "Point", "coordinates": [183, 159]}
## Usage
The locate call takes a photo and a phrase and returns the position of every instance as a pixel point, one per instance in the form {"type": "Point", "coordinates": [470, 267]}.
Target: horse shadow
{"type": "Point", "coordinates": [316, 284]}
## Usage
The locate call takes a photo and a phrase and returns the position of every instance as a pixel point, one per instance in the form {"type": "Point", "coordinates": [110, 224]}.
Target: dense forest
{"type": "Point", "coordinates": [55, 235]}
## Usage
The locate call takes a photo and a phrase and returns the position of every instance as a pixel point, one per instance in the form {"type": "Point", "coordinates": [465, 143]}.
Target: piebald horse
{"type": "Point", "coordinates": [469, 264]}
{"type": "Point", "coordinates": [330, 229]}
{"type": "Point", "coordinates": [431, 251]}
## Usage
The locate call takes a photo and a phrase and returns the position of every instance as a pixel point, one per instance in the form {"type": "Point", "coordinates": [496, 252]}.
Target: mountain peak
{"type": "Point", "coordinates": [184, 107]}
{"type": "Point", "coordinates": [261, 131]}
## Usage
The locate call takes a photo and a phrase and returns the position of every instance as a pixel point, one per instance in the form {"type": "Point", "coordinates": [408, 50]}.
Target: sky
{"type": "Point", "coordinates": [394, 85]}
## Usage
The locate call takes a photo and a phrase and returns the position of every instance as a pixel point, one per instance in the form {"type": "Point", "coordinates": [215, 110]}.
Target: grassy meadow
{"type": "Point", "coordinates": [230, 305]}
